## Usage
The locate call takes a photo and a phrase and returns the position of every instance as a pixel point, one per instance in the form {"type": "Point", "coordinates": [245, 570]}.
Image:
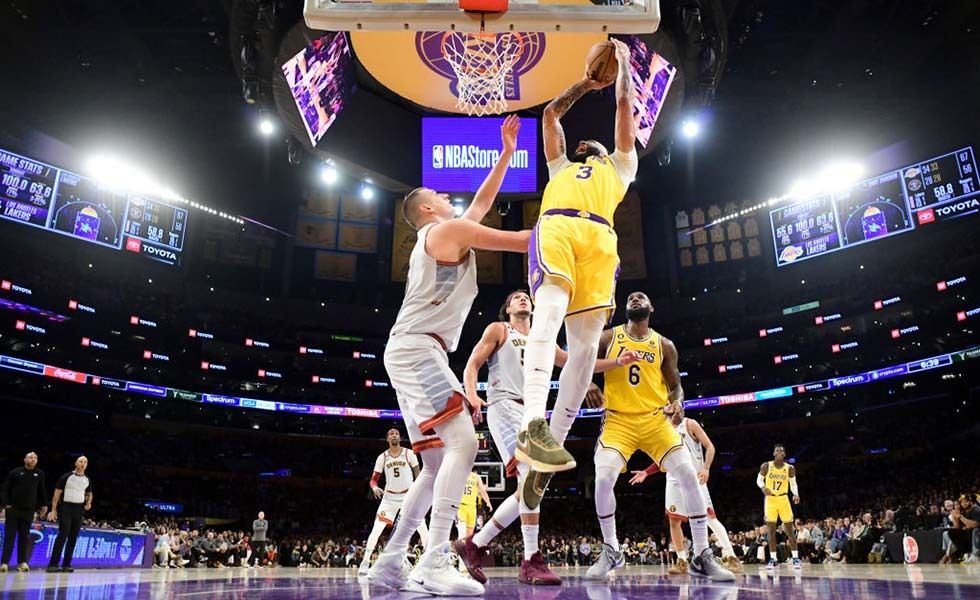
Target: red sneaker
{"type": "Point", "coordinates": [472, 557]}
{"type": "Point", "coordinates": [536, 572]}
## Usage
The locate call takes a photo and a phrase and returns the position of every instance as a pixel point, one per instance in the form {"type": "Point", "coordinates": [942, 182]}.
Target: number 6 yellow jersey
{"type": "Point", "coordinates": [640, 387]}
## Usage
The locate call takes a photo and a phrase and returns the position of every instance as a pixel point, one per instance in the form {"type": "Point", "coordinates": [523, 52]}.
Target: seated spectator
{"type": "Point", "coordinates": [963, 538]}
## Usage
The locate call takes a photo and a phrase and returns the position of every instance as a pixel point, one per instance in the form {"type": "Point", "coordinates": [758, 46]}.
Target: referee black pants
{"type": "Point", "coordinates": [258, 552]}
{"type": "Point", "coordinates": [18, 525]}
{"type": "Point", "coordinates": [69, 524]}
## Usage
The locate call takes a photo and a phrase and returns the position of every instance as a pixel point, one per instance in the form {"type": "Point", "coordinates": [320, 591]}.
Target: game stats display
{"type": "Point", "coordinates": [37, 194]}
{"type": "Point", "coordinates": [935, 190]}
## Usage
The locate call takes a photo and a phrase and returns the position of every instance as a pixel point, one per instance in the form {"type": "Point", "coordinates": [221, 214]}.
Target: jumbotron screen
{"type": "Point", "coordinates": [458, 152]}
{"type": "Point", "coordinates": [40, 195]}
{"type": "Point", "coordinates": [320, 76]}
{"type": "Point", "coordinates": [899, 201]}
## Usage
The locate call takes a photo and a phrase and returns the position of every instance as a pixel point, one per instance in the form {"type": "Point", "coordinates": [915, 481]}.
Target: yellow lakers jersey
{"type": "Point", "coordinates": [639, 387]}
{"type": "Point", "coordinates": [777, 479]}
{"type": "Point", "coordinates": [471, 491]}
{"type": "Point", "coordinates": [595, 187]}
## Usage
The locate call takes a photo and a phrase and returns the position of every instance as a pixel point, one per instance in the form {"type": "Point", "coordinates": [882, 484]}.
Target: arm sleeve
{"type": "Point", "coordinates": [759, 481]}
{"type": "Point", "coordinates": [653, 468]}
{"type": "Point", "coordinates": [557, 165]}
{"type": "Point", "coordinates": [413, 461]}
{"type": "Point", "coordinates": [626, 164]}
{"type": "Point", "coordinates": [792, 486]}
{"type": "Point", "coordinates": [375, 477]}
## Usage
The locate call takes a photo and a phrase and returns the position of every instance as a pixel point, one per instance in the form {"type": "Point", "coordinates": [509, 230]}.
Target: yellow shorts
{"type": "Point", "coordinates": [467, 516]}
{"type": "Point", "coordinates": [778, 508]}
{"type": "Point", "coordinates": [579, 253]}
{"type": "Point", "coordinates": [627, 433]}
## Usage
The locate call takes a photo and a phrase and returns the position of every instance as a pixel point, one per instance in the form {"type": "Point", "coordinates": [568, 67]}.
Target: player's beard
{"type": "Point", "coordinates": [581, 157]}
{"type": "Point", "coordinates": [638, 314]}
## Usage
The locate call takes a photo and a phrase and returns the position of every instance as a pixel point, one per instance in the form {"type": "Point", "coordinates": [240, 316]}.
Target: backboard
{"type": "Point", "coordinates": [550, 16]}
{"type": "Point", "coordinates": [492, 474]}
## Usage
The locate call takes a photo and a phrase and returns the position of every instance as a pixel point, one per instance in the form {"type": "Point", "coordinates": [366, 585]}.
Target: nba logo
{"type": "Point", "coordinates": [437, 156]}
{"type": "Point", "coordinates": [926, 216]}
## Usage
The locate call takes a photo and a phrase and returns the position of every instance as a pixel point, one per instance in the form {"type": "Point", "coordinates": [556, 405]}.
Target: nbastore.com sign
{"type": "Point", "coordinates": [458, 153]}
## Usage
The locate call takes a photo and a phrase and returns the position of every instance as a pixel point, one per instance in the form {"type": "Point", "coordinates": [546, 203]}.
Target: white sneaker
{"type": "Point", "coordinates": [389, 570]}
{"type": "Point", "coordinates": [434, 575]}
{"type": "Point", "coordinates": [363, 571]}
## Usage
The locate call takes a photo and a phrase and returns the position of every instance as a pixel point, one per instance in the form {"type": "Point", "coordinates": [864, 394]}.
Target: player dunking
{"type": "Point", "coordinates": [638, 395]}
{"type": "Point", "coordinates": [440, 290]}
{"type": "Point", "coordinates": [777, 480]}
{"type": "Point", "coordinates": [702, 451]}
{"type": "Point", "coordinates": [400, 467]}
{"type": "Point", "coordinates": [573, 263]}
{"type": "Point", "coordinates": [502, 346]}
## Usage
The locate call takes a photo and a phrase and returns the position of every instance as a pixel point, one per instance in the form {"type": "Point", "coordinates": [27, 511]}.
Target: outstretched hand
{"type": "Point", "coordinates": [638, 477]}
{"type": "Point", "coordinates": [509, 131]}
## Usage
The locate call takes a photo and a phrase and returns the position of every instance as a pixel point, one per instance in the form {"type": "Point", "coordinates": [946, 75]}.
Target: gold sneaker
{"type": "Point", "coordinates": [678, 568]}
{"type": "Point", "coordinates": [732, 564]}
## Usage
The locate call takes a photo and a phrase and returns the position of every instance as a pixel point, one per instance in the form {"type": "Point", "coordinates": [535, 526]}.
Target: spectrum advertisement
{"type": "Point", "coordinates": [458, 152]}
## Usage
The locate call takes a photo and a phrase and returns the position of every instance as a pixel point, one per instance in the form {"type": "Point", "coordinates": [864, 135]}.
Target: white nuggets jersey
{"type": "Point", "coordinates": [397, 469]}
{"type": "Point", "coordinates": [506, 381]}
{"type": "Point", "coordinates": [438, 296]}
{"type": "Point", "coordinates": [692, 445]}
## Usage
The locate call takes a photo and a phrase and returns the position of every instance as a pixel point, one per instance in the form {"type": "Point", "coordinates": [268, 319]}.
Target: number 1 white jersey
{"type": "Point", "coordinates": [397, 470]}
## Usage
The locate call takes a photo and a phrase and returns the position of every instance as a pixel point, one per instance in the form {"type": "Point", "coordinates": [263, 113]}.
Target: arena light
{"type": "Point", "coordinates": [367, 192]}
{"type": "Point", "coordinates": [690, 128]}
{"type": "Point", "coordinates": [266, 126]}
{"type": "Point", "coordinates": [328, 174]}
{"type": "Point", "coordinates": [803, 188]}
{"type": "Point", "coordinates": [840, 175]}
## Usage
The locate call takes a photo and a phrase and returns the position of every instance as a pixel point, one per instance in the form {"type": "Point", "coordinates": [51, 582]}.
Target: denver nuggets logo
{"type": "Point", "coordinates": [432, 49]}
{"type": "Point", "coordinates": [672, 508]}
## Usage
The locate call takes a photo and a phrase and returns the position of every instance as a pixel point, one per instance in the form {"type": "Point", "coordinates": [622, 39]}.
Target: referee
{"type": "Point", "coordinates": [74, 492]}
{"type": "Point", "coordinates": [23, 493]}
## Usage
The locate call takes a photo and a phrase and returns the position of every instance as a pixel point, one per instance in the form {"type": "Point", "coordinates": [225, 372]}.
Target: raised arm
{"type": "Point", "coordinates": [551, 129]}
{"type": "Point", "coordinates": [483, 201]}
{"type": "Point", "coordinates": [625, 124]}
{"type": "Point", "coordinates": [672, 375]}
{"type": "Point", "coordinates": [452, 239]}
{"type": "Point", "coordinates": [493, 338]}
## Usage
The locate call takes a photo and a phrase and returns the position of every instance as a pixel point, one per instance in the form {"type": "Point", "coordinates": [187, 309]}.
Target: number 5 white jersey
{"type": "Point", "coordinates": [397, 470]}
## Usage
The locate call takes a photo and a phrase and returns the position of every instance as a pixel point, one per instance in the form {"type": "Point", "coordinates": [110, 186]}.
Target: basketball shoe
{"type": "Point", "coordinates": [538, 448]}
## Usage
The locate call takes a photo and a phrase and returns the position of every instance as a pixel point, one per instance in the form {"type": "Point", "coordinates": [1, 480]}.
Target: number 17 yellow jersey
{"type": "Point", "coordinates": [640, 387]}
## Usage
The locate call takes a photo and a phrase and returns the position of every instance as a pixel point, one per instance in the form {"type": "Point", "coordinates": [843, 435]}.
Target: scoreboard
{"type": "Point", "coordinates": [34, 193]}
{"type": "Point", "coordinates": [896, 202]}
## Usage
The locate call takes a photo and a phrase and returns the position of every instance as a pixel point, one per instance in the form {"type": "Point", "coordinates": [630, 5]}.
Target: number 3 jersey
{"type": "Point", "coordinates": [638, 387]}
{"type": "Point", "coordinates": [596, 186]}
{"type": "Point", "coordinates": [397, 470]}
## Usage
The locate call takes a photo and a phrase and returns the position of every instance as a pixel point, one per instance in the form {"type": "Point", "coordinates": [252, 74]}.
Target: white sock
{"type": "Point", "coordinates": [423, 532]}
{"type": "Point", "coordinates": [459, 452]}
{"type": "Point", "coordinates": [608, 526]}
{"type": "Point", "coordinates": [796, 553]}
{"type": "Point", "coordinates": [418, 500]}
{"type": "Point", "coordinates": [372, 541]}
{"type": "Point", "coordinates": [550, 304]}
{"type": "Point", "coordinates": [530, 533]}
{"type": "Point", "coordinates": [506, 513]}
{"type": "Point", "coordinates": [760, 553]}
{"type": "Point", "coordinates": [723, 540]}
{"type": "Point", "coordinates": [582, 333]}
{"type": "Point", "coordinates": [682, 555]}
{"type": "Point", "coordinates": [699, 534]}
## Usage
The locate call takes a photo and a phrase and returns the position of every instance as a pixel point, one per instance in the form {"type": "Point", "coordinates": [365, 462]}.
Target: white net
{"type": "Point", "coordinates": [482, 63]}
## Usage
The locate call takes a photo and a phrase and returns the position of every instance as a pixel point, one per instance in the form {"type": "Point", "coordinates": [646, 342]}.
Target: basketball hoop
{"type": "Point", "coordinates": [482, 62]}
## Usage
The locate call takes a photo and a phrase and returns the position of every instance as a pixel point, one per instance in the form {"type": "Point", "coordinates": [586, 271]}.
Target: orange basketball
{"type": "Point", "coordinates": [601, 64]}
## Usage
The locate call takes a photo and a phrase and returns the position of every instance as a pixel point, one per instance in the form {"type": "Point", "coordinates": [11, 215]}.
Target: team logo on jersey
{"type": "Point", "coordinates": [672, 508]}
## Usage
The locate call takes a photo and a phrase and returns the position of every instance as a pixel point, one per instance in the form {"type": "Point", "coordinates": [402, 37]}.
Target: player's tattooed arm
{"type": "Point", "coordinates": [551, 129]}
{"type": "Point", "coordinates": [625, 123]}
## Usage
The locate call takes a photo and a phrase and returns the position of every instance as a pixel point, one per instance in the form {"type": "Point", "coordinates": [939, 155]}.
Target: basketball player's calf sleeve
{"type": "Point", "coordinates": [530, 535]}
{"type": "Point", "coordinates": [583, 333]}
{"type": "Point", "coordinates": [418, 500]}
{"type": "Point", "coordinates": [506, 513]}
{"type": "Point", "coordinates": [679, 463]}
{"type": "Point", "coordinates": [551, 302]}
{"type": "Point", "coordinates": [460, 449]}
{"type": "Point", "coordinates": [719, 530]}
{"type": "Point", "coordinates": [372, 541]}
{"type": "Point", "coordinates": [607, 467]}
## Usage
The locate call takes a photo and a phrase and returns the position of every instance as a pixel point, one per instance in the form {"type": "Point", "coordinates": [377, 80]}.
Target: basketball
{"type": "Point", "coordinates": [601, 63]}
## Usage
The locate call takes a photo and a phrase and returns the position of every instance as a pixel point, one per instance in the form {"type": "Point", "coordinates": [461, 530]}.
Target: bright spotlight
{"type": "Point", "coordinates": [367, 192]}
{"type": "Point", "coordinates": [803, 188]}
{"type": "Point", "coordinates": [266, 126]}
{"type": "Point", "coordinates": [841, 175]}
{"type": "Point", "coordinates": [458, 210]}
{"type": "Point", "coordinates": [690, 128]}
{"type": "Point", "coordinates": [328, 174]}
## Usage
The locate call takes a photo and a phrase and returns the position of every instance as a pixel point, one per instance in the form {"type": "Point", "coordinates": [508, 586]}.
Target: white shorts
{"type": "Point", "coordinates": [390, 506]}
{"type": "Point", "coordinates": [427, 390]}
{"type": "Point", "coordinates": [504, 419]}
{"type": "Point", "coordinates": [674, 501]}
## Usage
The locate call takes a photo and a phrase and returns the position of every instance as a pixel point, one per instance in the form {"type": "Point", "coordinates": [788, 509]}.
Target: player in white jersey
{"type": "Point", "coordinates": [440, 290]}
{"type": "Point", "coordinates": [400, 467]}
{"type": "Point", "coordinates": [702, 451]}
